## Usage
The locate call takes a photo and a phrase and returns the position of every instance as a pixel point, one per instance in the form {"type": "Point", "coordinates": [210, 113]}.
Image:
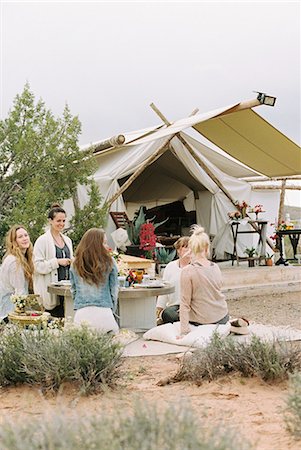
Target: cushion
{"type": "Point", "coordinates": [199, 336]}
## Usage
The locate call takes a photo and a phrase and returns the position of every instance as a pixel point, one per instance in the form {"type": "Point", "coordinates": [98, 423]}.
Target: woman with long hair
{"type": "Point", "coordinates": [17, 268]}
{"type": "Point", "coordinates": [202, 301]}
{"type": "Point", "coordinates": [53, 253]}
{"type": "Point", "coordinates": [94, 282]}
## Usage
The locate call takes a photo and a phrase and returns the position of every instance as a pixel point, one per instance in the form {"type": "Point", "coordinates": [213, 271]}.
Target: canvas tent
{"type": "Point", "coordinates": [162, 164]}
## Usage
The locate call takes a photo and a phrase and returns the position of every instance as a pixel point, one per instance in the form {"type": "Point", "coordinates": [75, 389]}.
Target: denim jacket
{"type": "Point", "coordinates": [104, 295]}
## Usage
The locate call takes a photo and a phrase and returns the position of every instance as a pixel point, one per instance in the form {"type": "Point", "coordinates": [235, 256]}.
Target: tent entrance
{"type": "Point", "coordinates": [166, 180]}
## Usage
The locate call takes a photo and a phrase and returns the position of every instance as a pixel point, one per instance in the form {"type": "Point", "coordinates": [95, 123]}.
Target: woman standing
{"type": "Point", "coordinates": [16, 270]}
{"type": "Point", "coordinates": [202, 301]}
{"type": "Point", "coordinates": [94, 282]}
{"type": "Point", "coordinates": [53, 253]}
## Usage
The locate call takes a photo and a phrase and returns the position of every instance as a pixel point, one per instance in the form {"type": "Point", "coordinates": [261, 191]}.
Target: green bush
{"type": "Point", "coordinates": [267, 360]}
{"type": "Point", "coordinates": [292, 415]}
{"type": "Point", "coordinates": [51, 357]}
{"type": "Point", "coordinates": [144, 429]}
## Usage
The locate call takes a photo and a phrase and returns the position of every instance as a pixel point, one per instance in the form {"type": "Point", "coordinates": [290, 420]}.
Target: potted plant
{"type": "Point", "coordinates": [163, 256]}
{"type": "Point", "coordinates": [268, 260]}
{"type": "Point", "coordinates": [251, 252]}
{"type": "Point", "coordinates": [141, 235]}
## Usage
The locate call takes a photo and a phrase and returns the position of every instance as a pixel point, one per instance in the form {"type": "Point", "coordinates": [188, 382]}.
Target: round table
{"type": "Point", "coordinates": [136, 305]}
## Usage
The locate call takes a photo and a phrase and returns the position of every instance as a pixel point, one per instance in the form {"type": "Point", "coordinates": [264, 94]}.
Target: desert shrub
{"type": "Point", "coordinates": [292, 415]}
{"type": "Point", "coordinates": [267, 360]}
{"type": "Point", "coordinates": [11, 356]}
{"type": "Point", "coordinates": [144, 429]}
{"type": "Point", "coordinates": [51, 357]}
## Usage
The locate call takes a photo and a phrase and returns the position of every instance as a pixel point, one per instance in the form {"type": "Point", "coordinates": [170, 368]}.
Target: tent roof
{"type": "Point", "coordinates": [242, 134]}
{"type": "Point", "coordinates": [250, 139]}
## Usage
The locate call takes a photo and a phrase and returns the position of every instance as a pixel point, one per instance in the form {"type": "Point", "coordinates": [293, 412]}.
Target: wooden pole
{"type": "Point", "coordinates": [275, 187]}
{"type": "Point", "coordinates": [149, 161]}
{"type": "Point", "coordinates": [257, 179]}
{"type": "Point", "coordinates": [207, 170]}
{"type": "Point", "coordinates": [219, 184]}
{"type": "Point", "coordinates": [114, 141]}
{"type": "Point", "coordinates": [140, 169]}
{"type": "Point", "coordinates": [281, 203]}
{"type": "Point", "coordinates": [241, 106]}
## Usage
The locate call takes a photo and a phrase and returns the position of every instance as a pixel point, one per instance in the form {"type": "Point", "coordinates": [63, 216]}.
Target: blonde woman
{"type": "Point", "coordinates": [94, 282]}
{"type": "Point", "coordinates": [16, 270]}
{"type": "Point", "coordinates": [202, 301]}
{"type": "Point", "coordinates": [53, 253]}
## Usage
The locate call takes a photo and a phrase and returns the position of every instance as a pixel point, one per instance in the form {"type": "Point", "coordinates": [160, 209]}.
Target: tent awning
{"type": "Point", "coordinates": [249, 138]}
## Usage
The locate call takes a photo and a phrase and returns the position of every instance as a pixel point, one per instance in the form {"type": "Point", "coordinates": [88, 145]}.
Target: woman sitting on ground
{"type": "Point", "coordinates": [202, 301]}
{"type": "Point", "coordinates": [168, 305]}
{"type": "Point", "coordinates": [94, 282]}
{"type": "Point", "coordinates": [16, 270]}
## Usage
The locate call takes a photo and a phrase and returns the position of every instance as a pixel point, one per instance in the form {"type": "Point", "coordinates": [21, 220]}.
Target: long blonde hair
{"type": "Point", "coordinates": [92, 260]}
{"type": "Point", "coordinates": [25, 260]}
{"type": "Point", "coordinates": [199, 240]}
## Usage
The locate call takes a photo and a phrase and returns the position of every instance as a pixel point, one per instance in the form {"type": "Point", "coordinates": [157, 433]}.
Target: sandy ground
{"type": "Point", "coordinates": [250, 405]}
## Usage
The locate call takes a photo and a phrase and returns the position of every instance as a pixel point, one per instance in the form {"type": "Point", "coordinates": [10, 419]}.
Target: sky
{"type": "Point", "coordinates": [109, 60]}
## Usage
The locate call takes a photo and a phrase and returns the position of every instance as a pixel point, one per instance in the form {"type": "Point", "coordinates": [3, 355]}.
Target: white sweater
{"type": "Point", "coordinates": [46, 265]}
{"type": "Point", "coordinates": [12, 281]}
{"type": "Point", "coordinates": [172, 274]}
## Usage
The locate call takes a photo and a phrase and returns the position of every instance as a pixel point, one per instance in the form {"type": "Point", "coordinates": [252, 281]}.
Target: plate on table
{"type": "Point", "coordinates": [62, 283]}
{"type": "Point", "coordinates": [150, 285]}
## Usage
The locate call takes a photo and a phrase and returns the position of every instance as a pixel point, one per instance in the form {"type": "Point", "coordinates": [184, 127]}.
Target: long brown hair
{"type": "Point", "coordinates": [92, 260]}
{"type": "Point", "coordinates": [24, 259]}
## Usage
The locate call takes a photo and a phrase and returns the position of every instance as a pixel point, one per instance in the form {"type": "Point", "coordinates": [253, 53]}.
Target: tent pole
{"type": "Point", "coordinates": [241, 106]}
{"type": "Point", "coordinates": [281, 203]}
{"type": "Point", "coordinates": [218, 183]}
{"type": "Point", "coordinates": [258, 187]}
{"type": "Point", "coordinates": [191, 151]}
{"type": "Point", "coordinates": [140, 169]}
{"type": "Point", "coordinates": [146, 163]}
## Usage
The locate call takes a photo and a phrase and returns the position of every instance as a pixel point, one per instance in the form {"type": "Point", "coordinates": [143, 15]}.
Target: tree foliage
{"type": "Point", "coordinates": [40, 162]}
{"type": "Point", "coordinates": [89, 216]}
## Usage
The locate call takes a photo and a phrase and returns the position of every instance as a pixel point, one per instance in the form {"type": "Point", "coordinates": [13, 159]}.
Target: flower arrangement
{"type": "Point", "coordinates": [242, 205]}
{"type": "Point", "coordinates": [21, 301]}
{"type": "Point", "coordinates": [234, 215]}
{"type": "Point", "coordinates": [257, 209]}
{"type": "Point", "coordinates": [147, 238]}
{"type": "Point", "coordinates": [134, 228]}
{"type": "Point", "coordinates": [241, 210]}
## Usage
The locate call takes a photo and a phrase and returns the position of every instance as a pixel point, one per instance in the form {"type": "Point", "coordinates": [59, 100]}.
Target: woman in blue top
{"type": "Point", "coordinates": [94, 282]}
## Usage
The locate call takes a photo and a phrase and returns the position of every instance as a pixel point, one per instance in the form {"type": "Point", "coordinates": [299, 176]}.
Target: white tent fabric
{"type": "Point", "coordinates": [211, 204]}
{"type": "Point", "coordinates": [175, 174]}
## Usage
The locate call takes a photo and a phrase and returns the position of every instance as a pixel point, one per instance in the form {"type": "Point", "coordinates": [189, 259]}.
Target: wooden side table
{"type": "Point", "coordinates": [294, 236]}
{"type": "Point", "coordinates": [262, 231]}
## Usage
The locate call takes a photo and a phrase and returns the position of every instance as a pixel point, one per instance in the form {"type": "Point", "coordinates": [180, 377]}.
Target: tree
{"type": "Point", "coordinates": [89, 216]}
{"type": "Point", "coordinates": [40, 162]}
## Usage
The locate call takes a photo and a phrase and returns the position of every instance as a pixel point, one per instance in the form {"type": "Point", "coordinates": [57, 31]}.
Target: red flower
{"type": "Point", "coordinates": [147, 237]}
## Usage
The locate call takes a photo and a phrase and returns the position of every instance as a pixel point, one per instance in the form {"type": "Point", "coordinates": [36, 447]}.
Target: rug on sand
{"type": "Point", "coordinates": [163, 340]}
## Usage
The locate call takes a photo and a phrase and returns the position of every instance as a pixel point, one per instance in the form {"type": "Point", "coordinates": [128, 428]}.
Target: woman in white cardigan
{"type": "Point", "coordinates": [53, 253]}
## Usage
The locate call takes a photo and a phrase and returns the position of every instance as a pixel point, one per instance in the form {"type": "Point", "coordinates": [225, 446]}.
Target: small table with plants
{"type": "Point", "coordinates": [24, 314]}
{"type": "Point", "coordinates": [294, 236]}
{"type": "Point", "coordinates": [260, 250]}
